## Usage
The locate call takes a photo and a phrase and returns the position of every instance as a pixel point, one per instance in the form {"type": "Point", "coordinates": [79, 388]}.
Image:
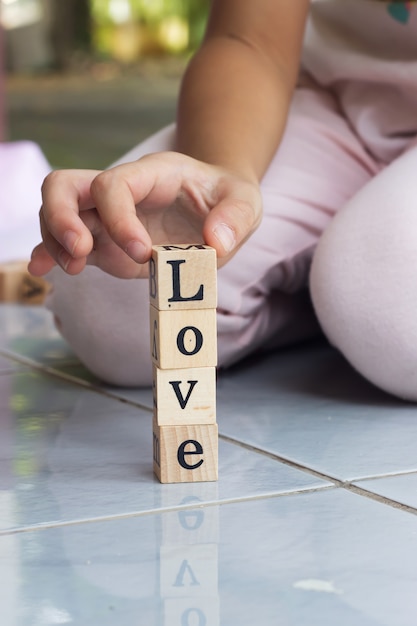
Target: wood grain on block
{"type": "Point", "coordinates": [17, 285]}
{"type": "Point", "coordinates": [183, 339]}
{"type": "Point", "coordinates": [184, 454]}
{"type": "Point", "coordinates": [184, 396]}
{"type": "Point", "coordinates": [183, 277]}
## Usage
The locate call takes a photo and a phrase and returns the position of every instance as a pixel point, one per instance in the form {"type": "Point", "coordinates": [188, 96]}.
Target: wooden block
{"type": "Point", "coordinates": [189, 571]}
{"type": "Point", "coordinates": [192, 611]}
{"type": "Point", "coordinates": [183, 277]}
{"type": "Point", "coordinates": [184, 396]}
{"type": "Point", "coordinates": [183, 339]}
{"type": "Point", "coordinates": [17, 285]}
{"type": "Point", "coordinates": [184, 454]}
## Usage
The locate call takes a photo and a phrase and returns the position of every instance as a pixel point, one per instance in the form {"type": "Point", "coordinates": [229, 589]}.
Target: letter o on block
{"type": "Point", "coordinates": [180, 340]}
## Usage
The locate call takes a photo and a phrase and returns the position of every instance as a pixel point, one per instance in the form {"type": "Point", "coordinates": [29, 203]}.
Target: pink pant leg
{"type": "Point", "coordinates": [262, 297]}
{"type": "Point", "coordinates": [319, 166]}
{"type": "Point", "coordinates": [364, 283]}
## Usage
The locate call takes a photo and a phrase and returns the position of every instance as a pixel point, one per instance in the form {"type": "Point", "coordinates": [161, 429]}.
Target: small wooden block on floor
{"type": "Point", "coordinates": [183, 277]}
{"type": "Point", "coordinates": [182, 339]}
{"type": "Point", "coordinates": [17, 285]}
{"type": "Point", "coordinates": [187, 453]}
{"type": "Point", "coordinates": [185, 396]}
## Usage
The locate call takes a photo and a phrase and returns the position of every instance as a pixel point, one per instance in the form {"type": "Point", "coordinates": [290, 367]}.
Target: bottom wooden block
{"type": "Point", "coordinates": [17, 285]}
{"type": "Point", "coordinates": [186, 453]}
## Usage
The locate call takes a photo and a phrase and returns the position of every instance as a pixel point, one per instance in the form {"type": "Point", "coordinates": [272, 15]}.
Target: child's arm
{"type": "Point", "coordinates": [232, 111]}
{"type": "Point", "coordinates": [236, 91]}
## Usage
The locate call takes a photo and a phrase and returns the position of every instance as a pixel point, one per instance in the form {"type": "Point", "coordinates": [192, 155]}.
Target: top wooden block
{"type": "Point", "coordinates": [183, 277]}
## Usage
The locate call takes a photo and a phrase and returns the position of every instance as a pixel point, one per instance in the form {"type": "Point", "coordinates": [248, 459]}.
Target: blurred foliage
{"type": "Point", "coordinates": [128, 29]}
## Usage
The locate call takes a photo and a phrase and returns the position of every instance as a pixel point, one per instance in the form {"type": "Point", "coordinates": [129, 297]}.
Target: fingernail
{"type": "Point", "coordinates": [136, 250]}
{"type": "Point", "coordinates": [64, 258]}
{"type": "Point", "coordinates": [70, 241]}
{"type": "Point", "coordinates": [226, 236]}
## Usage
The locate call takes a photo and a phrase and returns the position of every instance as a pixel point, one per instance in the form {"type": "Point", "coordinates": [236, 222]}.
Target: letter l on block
{"type": "Point", "coordinates": [183, 277]}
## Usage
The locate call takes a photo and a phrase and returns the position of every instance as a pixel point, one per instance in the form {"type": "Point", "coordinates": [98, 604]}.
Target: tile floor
{"type": "Point", "coordinates": [313, 520]}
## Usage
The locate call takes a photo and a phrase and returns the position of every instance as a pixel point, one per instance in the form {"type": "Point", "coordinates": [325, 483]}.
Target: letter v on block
{"type": "Point", "coordinates": [184, 396]}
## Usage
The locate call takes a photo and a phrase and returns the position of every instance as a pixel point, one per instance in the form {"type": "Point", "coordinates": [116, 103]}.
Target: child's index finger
{"type": "Point", "coordinates": [65, 193]}
{"type": "Point", "coordinates": [116, 206]}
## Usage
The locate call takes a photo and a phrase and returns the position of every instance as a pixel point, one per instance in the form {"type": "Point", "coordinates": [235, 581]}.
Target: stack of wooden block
{"type": "Point", "coordinates": [183, 300]}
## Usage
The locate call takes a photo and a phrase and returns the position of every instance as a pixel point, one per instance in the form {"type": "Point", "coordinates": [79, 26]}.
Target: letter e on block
{"type": "Point", "coordinates": [185, 454]}
{"type": "Point", "coordinates": [183, 277]}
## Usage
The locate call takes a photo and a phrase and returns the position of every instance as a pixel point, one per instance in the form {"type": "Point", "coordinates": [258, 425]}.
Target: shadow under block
{"type": "Point", "coordinates": [187, 453]}
{"type": "Point", "coordinates": [17, 285]}
{"type": "Point", "coordinates": [183, 339]}
{"type": "Point", "coordinates": [184, 396]}
{"type": "Point", "coordinates": [183, 277]}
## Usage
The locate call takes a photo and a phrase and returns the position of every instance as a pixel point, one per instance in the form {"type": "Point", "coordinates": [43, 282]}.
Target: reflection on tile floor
{"type": "Point", "coordinates": [313, 520]}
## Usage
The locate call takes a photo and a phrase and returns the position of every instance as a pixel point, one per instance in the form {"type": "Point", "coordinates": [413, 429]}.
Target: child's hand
{"type": "Point", "coordinates": [111, 219]}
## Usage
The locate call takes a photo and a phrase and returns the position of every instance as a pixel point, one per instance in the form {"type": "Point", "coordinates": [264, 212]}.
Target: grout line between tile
{"type": "Point", "coordinates": [347, 485]}
{"type": "Point", "coordinates": [71, 379]}
{"type": "Point", "coordinates": [386, 475]}
{"type": "Point", "coordinates": [132, 514]}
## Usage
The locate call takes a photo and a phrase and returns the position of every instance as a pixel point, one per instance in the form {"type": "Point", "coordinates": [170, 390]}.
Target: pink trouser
{"type": "Point", "coordinates": [321, 167]}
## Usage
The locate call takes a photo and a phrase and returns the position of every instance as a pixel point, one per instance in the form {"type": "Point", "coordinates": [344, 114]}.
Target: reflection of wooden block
{"type": "Point", "coordinates": [187, 611]}
{"type": "Point", "coordinates": [187, 494]}
{"type": "Point", "coordinates": [185, 453]}
{"type": "Point", "coordinates": [190, 519]}
{"type": "Point", "coordinates": [183, 277]}
{"type": "Point", "coordinates": [17, 285]}
{"type": "Point", "coordinates": [189, 571]}
{"type": "Point", "coordinates": [185, 396]}
{"type": "Point", "coordinates": [182, 339]}
{"type": "Point", "coordinates": [189, 526]}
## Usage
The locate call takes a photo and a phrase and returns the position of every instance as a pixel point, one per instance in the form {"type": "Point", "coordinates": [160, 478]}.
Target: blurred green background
{"type": "Point", "coordinates": [89, 79]}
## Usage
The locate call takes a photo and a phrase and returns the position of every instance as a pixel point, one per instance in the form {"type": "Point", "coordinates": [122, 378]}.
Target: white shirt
{"type": "Point", "coordinates": [366, 52]}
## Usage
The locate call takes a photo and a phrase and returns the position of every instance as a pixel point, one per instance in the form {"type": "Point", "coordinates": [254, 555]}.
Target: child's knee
{"type": "Point", "coordinates": [106, 322]}
{"type": "Point", "coordinates": [364, 290]}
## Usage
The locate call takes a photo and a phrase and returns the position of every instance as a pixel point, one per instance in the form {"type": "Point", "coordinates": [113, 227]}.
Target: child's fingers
{"type": "Point", "coordinates": [65, 194]}
{"type": "Point", "coordinates": [230, 223]}
{"type": "Point", "coordinates": [58, 253]}
{"type": "Point", "coordinates": [116, 204]}
{"type": "Point", "coordinates": [41, 262]}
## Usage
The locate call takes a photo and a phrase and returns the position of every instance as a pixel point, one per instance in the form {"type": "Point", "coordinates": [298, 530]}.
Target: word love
{"type": "Point", "coordinates": [183, 300]}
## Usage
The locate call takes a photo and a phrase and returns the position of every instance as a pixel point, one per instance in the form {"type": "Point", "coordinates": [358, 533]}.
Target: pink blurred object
{"type": "Point", "coordinates": [2, 98]}
{"type": "Point", "coordinates": [23, 167]}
